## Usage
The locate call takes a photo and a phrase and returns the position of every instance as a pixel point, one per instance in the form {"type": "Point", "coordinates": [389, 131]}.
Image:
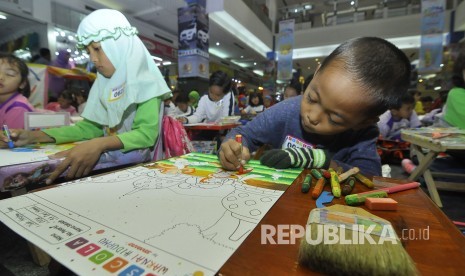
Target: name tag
{"type": "Point", "coordinates": [116, 93]}
{"type": "Point", "coordinates": [292, 142]}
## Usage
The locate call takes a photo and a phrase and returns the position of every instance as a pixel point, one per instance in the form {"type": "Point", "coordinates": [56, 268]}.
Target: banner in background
{"type": "Point", "coordinates": [269, 73]}
{"type": "Point", "coordinates": [38, 80]}
{"type": "Point", "coordinates": [193, 40]}
{"type": "Point", "coordinates": [432, 28]}
{"type": "Point", "coordinates": [285, 48]}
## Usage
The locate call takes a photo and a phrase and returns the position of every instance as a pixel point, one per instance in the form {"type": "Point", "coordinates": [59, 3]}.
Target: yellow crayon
{"type": "Point", "coordinates": [335, 186]}
{"type": "Point", "coordinates": [365, 181]}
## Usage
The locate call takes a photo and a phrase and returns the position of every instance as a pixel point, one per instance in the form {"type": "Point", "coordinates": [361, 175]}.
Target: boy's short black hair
{"type": "Point", "coordinates": [221, 79]}
{"type": "Point", "coordinates": [407, 98]}
{"type": "Point", "coordinates": [378, 66]}
{"type": "Point", "coordinates": [182, 98]}
{"type": "Point", "coordinates": [23, 71]}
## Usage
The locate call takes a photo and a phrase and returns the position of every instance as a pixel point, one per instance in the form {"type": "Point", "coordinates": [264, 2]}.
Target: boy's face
{"type": "Point", "coordinates": [266, 102]}
{"type": "Point", "coordinates": [333, 103]}
{"type": "Point", "coordinates": [404, 112]}
{"type": "Point", "coordinates": [183, 107]}
{"type": "Point", "coordinates": [216, 93]}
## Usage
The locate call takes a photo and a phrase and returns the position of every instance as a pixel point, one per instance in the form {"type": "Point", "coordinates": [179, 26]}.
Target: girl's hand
{"type": "Point", "coordinates": [230, 155]}
{"type": "Point", "coordinates": [22, 137]}
{"type": "Point", "coordinates": [80, 160]}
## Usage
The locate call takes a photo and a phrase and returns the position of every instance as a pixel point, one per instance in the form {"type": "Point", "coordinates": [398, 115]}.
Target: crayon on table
{"type": "Point", "coordinates": [335, 186]}
{"type": "Point", "coordinates": [8, 136]}
{"type": "Point", "coordinates": [360, 198]}
{"type": "Point", "coordinates": [306, 183]}
{"type": "Point", "coordinates": [350, 172]}
{"type": "Point", "coordinates": [320, 183]}
{"type": "Point", "coordinates": [348, 186]}
{"type": "Point", "coordinates": [316, 173]}
{"type": "Point", "coordinates": [401, 187]}
{"type": "Point", "coordinates": [365, 181]}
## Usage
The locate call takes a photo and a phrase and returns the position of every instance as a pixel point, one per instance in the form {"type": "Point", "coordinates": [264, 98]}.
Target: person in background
{"type": "Point", "coordinates": [183, 108]}
{"type": "Point", "coordinates": [399, 117]}
{"type": "Point", "coordinates": [217, 104]}
{"type": "Point", "coordinates": [121, 119]}
{"type": "Point", "coordinates": [454, 113]}
{"type": "Point", "coordinates": [44, 57]}
{"type": "Point", "coordinates": [241, 102]}
{"type": "Point", "coordinates": [418, 107]}
{"type": "Point", "coordinates": [169, 107]}
{"type": "Point", "coordinates": [57, 84]}
{"type": "Point", "coordinates": [336, 125]}
{"type": "Point", "coordinates": [267, 101]}
{"type": "Point", "coordinates": [66, 103]}
{"type": "Point", "coordinates": [292, 90]}
{"type": "Point", "coordinates": [426, 102]}
{"type": "Point", "coordinates": [14, 90]}
{"type": "Point", "coordinates": [194, 98]}
{"type": "Point", "coordinates": [255, 104]}
{"type": "Point", "coordinates": [81, 100]}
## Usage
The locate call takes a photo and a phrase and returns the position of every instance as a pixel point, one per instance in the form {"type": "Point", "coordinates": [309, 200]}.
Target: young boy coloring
{"type": "Point", "coordinates": [334, 122]}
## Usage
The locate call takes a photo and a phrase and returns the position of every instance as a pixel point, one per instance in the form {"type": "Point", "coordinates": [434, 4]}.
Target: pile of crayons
{"type": "Point", "coordinates": [342, 184]}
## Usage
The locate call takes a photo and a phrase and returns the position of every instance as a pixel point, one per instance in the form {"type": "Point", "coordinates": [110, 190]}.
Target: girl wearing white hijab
{"type": "Point", "coordinates": [121, 118]}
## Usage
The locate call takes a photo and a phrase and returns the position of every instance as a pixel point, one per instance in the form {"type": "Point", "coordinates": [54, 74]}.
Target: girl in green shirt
{"type": "Point", "coordinates": [121, 118]}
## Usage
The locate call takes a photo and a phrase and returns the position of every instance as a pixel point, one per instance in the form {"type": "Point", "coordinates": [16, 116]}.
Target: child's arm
{"type": "Point", "coordinates": [145, 127]}
{"type": "Point", "coordinates": [199, 114]}
{"type": "Point", "coordinates": [83, 130]}
{"type": "Point", "coordinates": [231, 155]}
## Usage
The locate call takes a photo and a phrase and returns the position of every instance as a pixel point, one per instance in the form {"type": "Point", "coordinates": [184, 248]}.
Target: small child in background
{"type": "Point", "coordinates": [418, 107]}
{"type": "Point", "coordinates": [169, 107]}
{"type": "Point", "coordinates": [81, 100]}
{"type": "Point", "coordinates": [182, 106]}
{"type": "Point", "coordinates": [267, 101]}
{"type": "Point", "coordinates": [194, 98]}
{"type": "Point", "coordinates": [65, 103]}
{"type": "Point", "coordinates": [426, 102]}
{"type": "Point", "coordinates": [398, 117]}
{"type": "Point", "coordinates": [255, 104]}
{"type": "Point", "coordinates": [241, 102]}
{"type": "Point", "coordinates": [14, 90]}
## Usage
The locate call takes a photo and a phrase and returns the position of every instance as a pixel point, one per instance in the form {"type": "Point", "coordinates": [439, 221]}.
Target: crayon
{"type": "Point", "coordinates": [326, 174]}
{"type": "Point", "coordinates": [360, 198]}
{"type": "Point", "coordinates": [348, 173]}
{"type": "Point", "coordinates": [335, 186]}
{"type": "Point", "coordinates": [8, 136]}
{"type": "Point", "coordinates": [365, 181]}
{"type": "Point", "coordinates": [401, 187]}
{"type": "Point", "coordinates": [306, 183]}
{"type": "Point", "coordinates": [316, 173]}
{"type": "Point", "coordinates": [239, 140]}
{"type": "Point", "coordinates": [348, 186]}
{"type": "Point", "coordinates": [320, 183]}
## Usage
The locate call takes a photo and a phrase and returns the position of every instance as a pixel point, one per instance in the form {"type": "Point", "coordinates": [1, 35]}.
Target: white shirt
{"type": "Point", "coordinates": [257, 109]}
{"type": "Point", "coordinates": [210, 111]}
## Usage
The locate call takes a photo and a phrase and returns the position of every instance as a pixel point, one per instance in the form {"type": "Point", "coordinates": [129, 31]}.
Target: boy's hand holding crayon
{"type": "Point", "coordinates": [230, 155]}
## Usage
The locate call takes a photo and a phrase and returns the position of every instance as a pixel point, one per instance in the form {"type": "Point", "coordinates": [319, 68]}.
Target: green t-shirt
{"type": "Point", "coordinates": [143, 134]}
{"type": "Point", "coordinates": [455, 107]}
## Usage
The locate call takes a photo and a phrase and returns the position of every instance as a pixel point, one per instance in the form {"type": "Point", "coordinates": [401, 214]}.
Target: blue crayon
{"type": "Point", "coordinates": [8, 135]}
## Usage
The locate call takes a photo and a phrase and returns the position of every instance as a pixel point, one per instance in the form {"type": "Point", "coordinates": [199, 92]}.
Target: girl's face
{"type": "Point", "coordinates": [10, 79]}
{"type": "Point", "coordinates": [100, 59]}
{"type": "Point", "coordinates": [255, 100]}
{"type": "Point", "coordinates": [64, 103]}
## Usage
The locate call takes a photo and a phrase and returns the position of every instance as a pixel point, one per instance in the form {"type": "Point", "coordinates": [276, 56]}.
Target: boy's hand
{"type": "Point", "coordinates": [230, 155]}
{"type": "Point", "coordinates": [296, 158]}
{"type": "Point", "coordinates": [80, 160]}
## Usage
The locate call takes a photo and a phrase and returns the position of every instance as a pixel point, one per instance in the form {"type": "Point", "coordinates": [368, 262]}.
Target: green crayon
{"type": "Point", "coordinates": [316, 173]}
{"type": "Point", "coordinates": [306, 183]}
{"type": "Point", "coordinates": [348, 186]}
{"type": "Point", "coordinates": [356, 199]}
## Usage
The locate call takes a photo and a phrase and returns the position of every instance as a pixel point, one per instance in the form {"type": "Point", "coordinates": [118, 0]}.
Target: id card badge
{"type": "Point", "coordinates": [292, 142]}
